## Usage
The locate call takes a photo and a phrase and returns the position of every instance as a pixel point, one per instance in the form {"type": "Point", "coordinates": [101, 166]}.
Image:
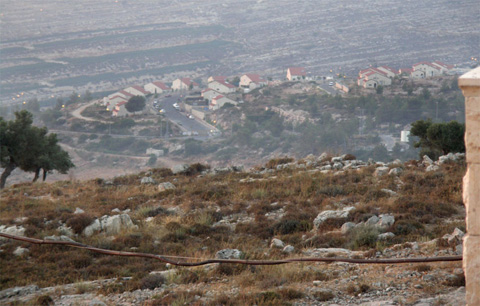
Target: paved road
{"type": "Point", "coordinates": [180, 118]}
{"type": "Point", "coordinates": [77, 113]}
{"type": "Point", "coordinates": [329, 89]}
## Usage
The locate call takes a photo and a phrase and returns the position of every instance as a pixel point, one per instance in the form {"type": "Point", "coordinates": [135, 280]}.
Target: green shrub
{"type": "Point", "coordinates": [79, 222]}
{"type": "Point", "coordinates": [363, 236]}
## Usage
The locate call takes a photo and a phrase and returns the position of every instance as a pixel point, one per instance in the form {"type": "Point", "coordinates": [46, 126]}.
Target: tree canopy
{"type": "Point", "coordinates": [437, 139]}
{"type": "Point", "coordinates": [29, 148]}
{"type": "Point", "coordinates": [135, 104]}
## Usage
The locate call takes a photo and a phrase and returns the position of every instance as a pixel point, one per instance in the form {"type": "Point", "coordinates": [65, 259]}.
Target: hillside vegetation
{"type": "Point", "coordinates": [318, 206]}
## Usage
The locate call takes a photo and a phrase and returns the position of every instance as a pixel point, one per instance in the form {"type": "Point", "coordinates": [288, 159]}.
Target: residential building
{"type": "Point", "coordinates": [429, 69]}
{"type": "Point", "coordinates": [220, 78]}
{"type": "Point", "coordinates": [136, 91]}
{"type": "Point", "coordinates": [417, 74]}
{"type": "Point", "coordinates": [184, 84]}
{"type": "Point", "coordinates": [296, 73]}
{"type": "Point", "coordinates": [156, 87]}
{"type": "Point", "coordinates": [251, 81]}
{"type": "Point", "coordinates": [391, 73]}
{"type": "Point", "coordinates": [219, 101]}
{"type": "Point", "coordinates": [222, 87]}
{"type": "Point", "coordinates": [209, 93]}
{"type": "Point", "coordinates": [119, 110]}
{"type": "Point", "coordinates": [373, 77]}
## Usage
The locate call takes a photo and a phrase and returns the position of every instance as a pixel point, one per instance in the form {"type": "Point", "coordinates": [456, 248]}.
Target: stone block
{"type": "Point", "coordinates": [471, 266]}
{"type": "Point", "coordinates": [471, 198]}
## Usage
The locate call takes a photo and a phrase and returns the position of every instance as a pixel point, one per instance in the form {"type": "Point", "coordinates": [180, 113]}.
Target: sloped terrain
{"type": "Point", "coordinates": [316, 207]}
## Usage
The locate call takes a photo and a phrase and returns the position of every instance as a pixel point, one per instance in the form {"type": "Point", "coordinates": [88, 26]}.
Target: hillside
{"type": "Point", "coordinates": [320, 206]}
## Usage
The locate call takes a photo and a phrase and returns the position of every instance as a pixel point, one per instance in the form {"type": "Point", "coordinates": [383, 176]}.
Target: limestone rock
{"type": "Point", "coordinates": [432, 168]}
{"type": "Point", "coordinates": [147, 180]}
{"type": "Point", "coordinates": [386, 236]}
{"type": "Point", "coordinates": [165, 186]}
{"type": "Point", "coordinates": [179, 168]}
{"type": "Point", "coordinates": [381, 171]}
{"type": "Point", "coordinates": [93, 228]}
{"type": "Point", "coordinates": [114, 224]}
{"type": "Point", "coordinates": [346, 227]}
{"type": "Point", "coordinates": [65, 230]}
{"type": "Point", "coordinates": [288, 249]}
{"type": "Point", "coordinates": [59, 238]}
{"type": "Point", "coordinates": [12, 230]}
{"type": "Point", "coordinates": [389, 192]}
{"type": "Point", "coordinates": [427, 160]}
{"type": "Point", "coordinates": [395, 171]}
{"type": "Point", "coordinates": [372, 220]}
{"type": "Point", "coordinates": [78, 211]}
{"type": "Point", "coordinates": [332, 214]}
{"type": "Point", "coordinates": [385, 221]}
{"type": "Point", "coordinates": [19, 251]}
{"type": "Point", "coordinates": [18, 291]}
{"type": "Point", "coordinates": [277, 243]}
{"type": "Point", "coordinates": [228, 254]}
{"type": "Point", "coordinates": [455, 237]}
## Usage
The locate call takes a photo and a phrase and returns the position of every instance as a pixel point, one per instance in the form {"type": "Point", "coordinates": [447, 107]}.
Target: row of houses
{"type": "Point", "coordinates": [383, 75]}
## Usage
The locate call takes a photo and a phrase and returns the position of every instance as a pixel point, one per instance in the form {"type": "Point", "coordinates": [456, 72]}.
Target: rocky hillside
{"type": "Point", "coordinates": [320, 206]}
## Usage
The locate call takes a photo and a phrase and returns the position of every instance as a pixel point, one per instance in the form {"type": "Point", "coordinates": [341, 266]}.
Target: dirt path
{"type": "Point", "coordinates": [78, 112]}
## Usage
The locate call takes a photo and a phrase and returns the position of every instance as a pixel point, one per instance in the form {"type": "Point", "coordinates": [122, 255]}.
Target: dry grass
{"type": "Point", "coordinates": [183, 221]}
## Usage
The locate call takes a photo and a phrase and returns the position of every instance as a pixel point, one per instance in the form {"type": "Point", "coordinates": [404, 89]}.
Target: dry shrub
{"type": "Point", "coordinates": [196, 168]}
{"type": "Point", "coordinates": [43, 300]}
{"type": "Point", "coordinates": [349, 157]}
{"type": "Point", "coordinates": [79, 222]}
{"type": "Point", "coordinates": [257, 229]}
{"type": "Point", "coordinates": [363, 236]}
{"type": "Point", "coordinates": [355, 290]}
{"type": "Point", "coordinates": [329, 240]}
{"type": "Point", "coordinates": [323, 295]}
{"type": "Point", "coordinates": [417, 208]}
{"type": "Point", "coordinates": [457, 280]}
{"type": "Point", "coordinates": [423, 268]}
{"type": "Point", "coordinates": [408, 227]}
{"type": "Point", "coordinates": [151, 281]}
{"type": "Point", "coordinates": [290, 294]}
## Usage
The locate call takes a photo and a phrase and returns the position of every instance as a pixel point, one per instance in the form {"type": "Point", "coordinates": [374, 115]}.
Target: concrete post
{"type": "Point", "coordinates": [470, 85]}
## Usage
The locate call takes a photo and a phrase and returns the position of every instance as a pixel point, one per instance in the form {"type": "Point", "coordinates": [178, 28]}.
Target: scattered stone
{"type": "Point", "coordinates": [18, 291]}
{"type": "Point", "coordinates": [116, 210]}
{"type": "Point", "coordinates": [326, 168]}
{"type": "Point", "coordinates": [385, 221]}
{"type": "Point", "coordinates": [228, 254]}
{"type": "Point", "coordinates": [381, 171]}
{"type": "Point", "coordinates": [19, 251]}
{"type": "Point", "coordinates": [59, 238]}
{"type": "Point", "coordinates": [115, 224]}
{"type": "Point", "coordinates": [93, 228]}
{"type": "Point", "coordinates": [332, 214]}
{"type": "Point", "coordinates": [323, 157]}
{"type": "Point", "coordinates": [337, 159]}
{"type": "Point", "coordinates": [277, 243]}
{"type": "Point", "coordinates": [147, 180]}
{"type": "Point", "coordinates": [386, 236]}
{"type": "Point", "coordinates": [179, 168]}
{"type": "Point", "coordinates": [459, 249]}
{"type": "Point", "coordinates": [165, 186]}
{"type": "Point", "coordinates": [427, 160]}
{"type": "Point", "coordinates": [65, 230]}
{"type": "Point", "coordinates": [96, 303]}
{"type": "Point", "coordinates": [288, 249]}
{"type": "Point", "coordinates": [337, 165]}
{"type": "Point", "coordinates": [346, 227]}
{"type": "Point", "coordinates": [78, 211]}
{"type": "Point", "coordinates": [12, 230]}
{"type": "Point", "coordinates": [372, 220]}
{"type": "Point", "coordinates": [432, 168]}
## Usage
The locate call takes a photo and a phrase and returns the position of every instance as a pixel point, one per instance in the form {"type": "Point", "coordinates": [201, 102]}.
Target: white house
{"type": "Point", "coordinates": [184, 84]}
{"type": "Point", "coordinates": [222, 87]}
{"type": "Point", "coordinates": [114, 101]}
{"type": "Point", "coordinates": [444, 68]}
{"type": "Point", "coordinates": [429, 69]}
{"type": "Point", "coordinates": [219, 101]}
{"type": "Point", "coordinates": [296, 73]}
{"type": "Point", "coordinates": [209, 93]}
{"type": "Point", "coordinates": [114, 97]}
{"type": "Point", "coordinates": [417, 74]}
{"type": "Point", "coordinates": [136, 91]}
{"type": "Point", "coordinates": [251, 81]}
{"type": "Point", "coordinates": [372, 77]}
{"type": "Point", "coordinates": [156, 87]}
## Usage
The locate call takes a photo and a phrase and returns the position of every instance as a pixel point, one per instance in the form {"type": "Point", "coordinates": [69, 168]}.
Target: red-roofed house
{"type": "Point", "coordinates": [296, 73]}
{"type": "Point", "coordinates": [251, 81]}
{"type": "Point", "coordinates": [406, 71]}
{"type": "Point", "coordinates": [219, 101]}
{"type": "Point", "coordinates": [372, 77]}
{"type": "Point", "coordinates": [389, 71]}
{"type": "Point", "coordinates": [427, 67]}
{"type": "Point", "coordinates": [184, 84]}
{"type": "Point", "coordinates": [444, 68]}
{"type": "Point", "coordinates": [222, 87]}
{"type": "Point", "coordinates": [156, 87]}
{"type": "Point", "coordinates": [220, 78]}
{"type": "Point", "coordinates": [136, 90]}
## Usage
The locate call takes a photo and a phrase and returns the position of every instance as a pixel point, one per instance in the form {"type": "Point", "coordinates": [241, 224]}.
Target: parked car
{"type": "Point", "coordinates": [191, 117]}
{"type": "Point", "coordinates": [168, 96]}
{"type": "Point", "coordinates": [330, 84]}
{"type": "Point", "coordinates": [176, 106]}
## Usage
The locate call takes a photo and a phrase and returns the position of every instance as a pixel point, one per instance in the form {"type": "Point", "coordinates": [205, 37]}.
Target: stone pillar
{"type": "Point", "coordinates": [470, 85]}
